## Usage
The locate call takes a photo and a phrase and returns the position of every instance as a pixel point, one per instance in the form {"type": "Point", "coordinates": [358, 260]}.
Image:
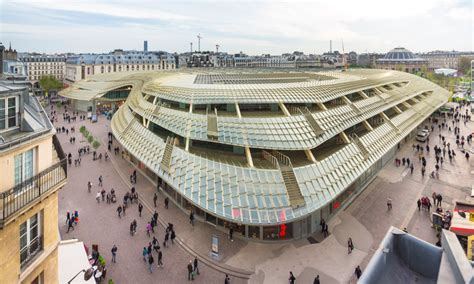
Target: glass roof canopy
{"type": "Point", "coordinates": [257, 196]}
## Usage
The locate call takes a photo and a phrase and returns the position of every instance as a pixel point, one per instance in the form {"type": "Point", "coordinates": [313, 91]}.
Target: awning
{"type": "Point", "coordinates": [72, 258]}
{"type": "Point", "coordinates": [463, 226]}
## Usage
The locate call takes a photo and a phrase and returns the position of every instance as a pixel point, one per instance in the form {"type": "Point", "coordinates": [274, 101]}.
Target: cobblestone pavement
{"type": "Point", "coordinates": [99, 223]}
{"type": "Point", "coordinates": [366, 220]}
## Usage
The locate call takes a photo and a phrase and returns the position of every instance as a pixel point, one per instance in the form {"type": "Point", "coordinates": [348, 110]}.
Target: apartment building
{"type": "Point", "coordinates": [39, 65]}
{"type": "Point", "coordinates": [33, 168]}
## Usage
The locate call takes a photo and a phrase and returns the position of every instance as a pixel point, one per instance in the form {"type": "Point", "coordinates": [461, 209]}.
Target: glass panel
{"type": "Point", "coordinates": [28, 164]}
{"type": "Point", "coordinates": [18, 169]}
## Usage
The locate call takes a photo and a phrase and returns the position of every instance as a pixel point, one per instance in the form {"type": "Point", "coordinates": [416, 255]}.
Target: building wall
{"type": "Point", "coordinates": [45, 261]}
{"type": "Point", "coordinates": [43, 159]}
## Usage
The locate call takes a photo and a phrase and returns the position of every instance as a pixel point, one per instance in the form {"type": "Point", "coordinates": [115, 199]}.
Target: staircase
{"type": "Point", "coordinates": [292, 187]}
{"type": "Point", "coordinates": [166, 160]}
{"type": "Point", "coordinates": [361, 146]}
{"type": "Point", "coordinates": [283, 162]}
{"type": "Point", "coordinates": [318, 130]}
{"type": "Point", "coordinates": [212, 126]}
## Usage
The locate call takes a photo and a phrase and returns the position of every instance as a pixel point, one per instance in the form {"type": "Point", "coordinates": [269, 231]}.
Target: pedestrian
{"type": "Point", "coordinates": [196, 268]}
{"type": "Point", "coordinates": [97, 197]}
{"type": "Point", "coordinates": [70, 224]}
{"type": "Point", "coordinates": [173, 236]}
{"type": "Point", "coordinates": [439, 198]}
{"type": "Point", "coordinates": [190, 271]}
{"type": "Point", "coordinates": [292, 278]}
{"type": "Point", "coordinates": [134, 224]}
{"type": "Point", "coordinates": [140, 208]}
{"type": "Point", "coordinates": [155, 198]}
{"type": "Point", "coordinates": [389, 203]}
{"type": "Point", "coordinates": [119, 211]}
{"type": "Point", "coordinates": [350, 245]}
{"type": "Point", "coordinates": [145, 253]}
{"type": "Point", "coordinates": [89, 186]}
{"type": "Point", "coordinates": [131, 229]}
{"type": "Point", "coordinates": [316, 280]}
{"type": "Point", "coordinates": [418, 203]}
{"type": "Point", "coordinates": [411, 168]}
{"type": "Point", "coordinates": [123, 208]}
{"type": "Point", "coordinates": [358, 272]}
{"type": "Point", "coordinates": [167, 236]}
{"type": "Point", "coordinates": [227, 279]}
{"type": "Point", "coordinates": [150, 262]}
{"type": "Point", "coordinates": [326, 230]}
{"type": "Point", "coordinates": [100, 180]}
{"type": "Point", "coordinates": [167, 200]}
{"type": "Point", "coordinates": [156, 244]}
{"type": "Point", "coordinates": [322, 223]}
{"type": "Point", "coordinates": [160, 258]}
{"type": "Point", "coordinates": [68, 216]}
{"type": "Point", "coordinates": [191, 217]}
{"type": "Point", "coordinates": [114, 253]}
{"type": "Point", "coordinates": [148, 229]}
{"type": "Point", "coordinates": [231, 234]}
{"type": "Point", "coordinates": [434, 195]}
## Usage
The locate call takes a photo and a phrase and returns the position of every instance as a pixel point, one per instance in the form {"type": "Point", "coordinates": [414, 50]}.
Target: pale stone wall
{"type": "Point", "coordinates": [46, 261]}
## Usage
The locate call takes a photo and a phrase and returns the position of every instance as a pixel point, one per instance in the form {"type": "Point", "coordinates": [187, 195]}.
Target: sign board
{"type": "Point", "coordinates": [215, 245]}
{"type": "Point", "coordinates": [470, 247]}
{"type": "Point", "coordinates": [89, 114]}
{"type": "Point", "coordinates": [94, 118]}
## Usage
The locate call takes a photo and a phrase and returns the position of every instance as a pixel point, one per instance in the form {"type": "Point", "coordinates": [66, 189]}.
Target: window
{"type": "Point", "coordinates": [8, 112]}
{"type": "Point", "coordinates": [30, 238]}
{"type": "Point", "coordinates": [24, 166]}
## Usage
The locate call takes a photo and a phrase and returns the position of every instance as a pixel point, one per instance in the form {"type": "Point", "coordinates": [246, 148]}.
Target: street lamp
{"type": "Point", "coordinates": [87, 274]}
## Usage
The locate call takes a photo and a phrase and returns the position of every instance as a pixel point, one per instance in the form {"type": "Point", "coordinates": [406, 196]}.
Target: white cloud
{"type": "Point", "coordinates": [254, 27]}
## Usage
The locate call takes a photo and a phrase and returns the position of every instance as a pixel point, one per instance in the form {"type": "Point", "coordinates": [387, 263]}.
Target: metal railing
{"type": "Point", "coordinates": [28, 191]}
{"type": "Point", "coordinates": [28, 253]}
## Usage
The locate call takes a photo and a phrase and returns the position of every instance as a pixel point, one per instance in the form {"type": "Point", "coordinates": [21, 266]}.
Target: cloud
{"type": "Point", "coordinates": [253, 27]}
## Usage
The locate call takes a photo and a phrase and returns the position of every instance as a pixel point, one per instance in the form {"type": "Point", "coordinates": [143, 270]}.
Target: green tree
{"type": "Point", "coordinates": [90, 138]}
{"type": "Point", "coordinates": [95, 144]}
{"type": "Point", "coordinates": [48, 83]}
{"type": "Point", "coordinates": [464, 64]}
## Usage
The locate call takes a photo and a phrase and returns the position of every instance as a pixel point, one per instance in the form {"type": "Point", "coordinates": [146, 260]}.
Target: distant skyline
{"type": "Point", "coordinates": [253, 27]}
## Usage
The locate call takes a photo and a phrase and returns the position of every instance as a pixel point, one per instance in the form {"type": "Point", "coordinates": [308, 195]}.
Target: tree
{"type": "Point", "coordinates": [48, 83]}
{"type": "Point", "coordinates": [464, 64]}
{"type": "Point", "coordinates": [95, 144]}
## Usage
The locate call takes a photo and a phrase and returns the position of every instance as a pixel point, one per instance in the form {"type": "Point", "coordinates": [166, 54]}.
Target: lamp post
{"type": "Point", "coordinates": [87, 274]}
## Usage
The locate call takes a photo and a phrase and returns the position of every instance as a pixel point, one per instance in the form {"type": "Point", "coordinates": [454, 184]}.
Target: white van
{"type": "Point", "coordinates": [422, 136]}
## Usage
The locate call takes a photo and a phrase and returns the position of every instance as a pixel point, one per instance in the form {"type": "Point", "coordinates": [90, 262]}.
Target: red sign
{"type": "Point", "coordinates": [336, 205]}
{"type": "Point", "coordinates": [282, 231]}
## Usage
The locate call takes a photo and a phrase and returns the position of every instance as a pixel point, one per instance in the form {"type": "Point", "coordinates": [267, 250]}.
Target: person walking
{"type": "Point", "coordinates": [155, 198]}
{"type": "Point", "coordinates": [316, 280]}
{"type": "Point", "coordinates": [68, 216]}
{"type": "Point", "coordinates": [89, 186]}
{"type": "Point", "coordinates": [434, 195]}
{"type": "Point", "coordinates": [167, 236]}
{"type": "Point", "coordinates": [173, 236]}
{"type": "Point", "coordinates": [140, 209]}
{"type": "Point", "coordinates": [292, 278]}
{"type": "Point", "coordinates": [150, 262]}
{"type": "Point", "coordinates": [167, 200]}
{"type": "Point", "coordinates": [144, 253]}
{"type": "Point", "coordinates": [358, 271]}
{"type": "Point", "coordinates": [114, 253]}
{"type": "Point", "coordinates": [350, 245]}
{"type": "Point", "coordinates": [231, 234]}
{"type": "Point", "coordinates": [70, 224]}
{"type": "Point", "coordinates": [97, 197]}
{"type": "Point", "coordinates": [190, 270]}
{"type": "Point", "coordinates": [227, 279]}
{"type": "Point", "coordinates": [418, 203]}
{"type": "Point", "coordinates": [119, 211]}
{"type": "Point", "coordinates": [148, 229]}
{"type": "Point", "coordinates": [191, 217]}
{"type": "Point", "coordinates": [131, 229]}
{"type": "Point", "coordinates": [100, 180]}
{"type": "Point", "coordinates": [411, 169]}
{"type": "Point", "coordinates": [439, 198]}
{"type": "Point", "coordinates": [195, 267]}
{"type": "Point", "coordinates": [389, 203]}
{"type": "Point", "coordinates": [160, 259]}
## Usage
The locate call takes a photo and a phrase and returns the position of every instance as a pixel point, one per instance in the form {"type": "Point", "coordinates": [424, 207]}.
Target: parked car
{"type": "Point", "coordinates": [422, 136]}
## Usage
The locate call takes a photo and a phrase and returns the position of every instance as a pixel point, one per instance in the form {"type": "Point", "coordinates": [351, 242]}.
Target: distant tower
{"type": "Point", "coordinates": [145, 46]}
{"type": "Point", "coordinates": [199, 42]}
{"type": "Point", "coordinates": [330, 46]}
{"type": "Point", "coordinates": [217, 48]}
{"type": "Point", "coordinates": [191, 47]}
{"type": "Point", "coordinates": [2, 48]}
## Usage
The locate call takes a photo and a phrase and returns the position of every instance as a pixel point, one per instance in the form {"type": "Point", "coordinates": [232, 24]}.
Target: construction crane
{"type": "Point", "coordinates": [344, 60]}
{"type": "Point", "coordinates": [199, 42]}
{"type": "Point", "coordinates": [217, 48]}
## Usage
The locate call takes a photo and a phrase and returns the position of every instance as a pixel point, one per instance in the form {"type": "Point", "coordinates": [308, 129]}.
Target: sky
{"type": "Point", "coordinates": [253, 27]}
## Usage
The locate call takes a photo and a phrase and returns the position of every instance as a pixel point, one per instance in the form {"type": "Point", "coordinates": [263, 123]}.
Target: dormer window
{"type": "Point", "coordinates": [8, 112]}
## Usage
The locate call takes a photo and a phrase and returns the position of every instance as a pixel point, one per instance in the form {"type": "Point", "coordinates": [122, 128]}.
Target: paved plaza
{"type": "Point", "coordinates": [366, 221]}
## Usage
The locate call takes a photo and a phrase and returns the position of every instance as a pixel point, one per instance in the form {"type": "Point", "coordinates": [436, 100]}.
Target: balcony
{"type": "Point", "coordinates": [23, 195]}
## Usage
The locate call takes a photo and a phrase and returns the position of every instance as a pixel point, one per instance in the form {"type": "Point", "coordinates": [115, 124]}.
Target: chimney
{"type": "Point", "coordinates": [2, 48]}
